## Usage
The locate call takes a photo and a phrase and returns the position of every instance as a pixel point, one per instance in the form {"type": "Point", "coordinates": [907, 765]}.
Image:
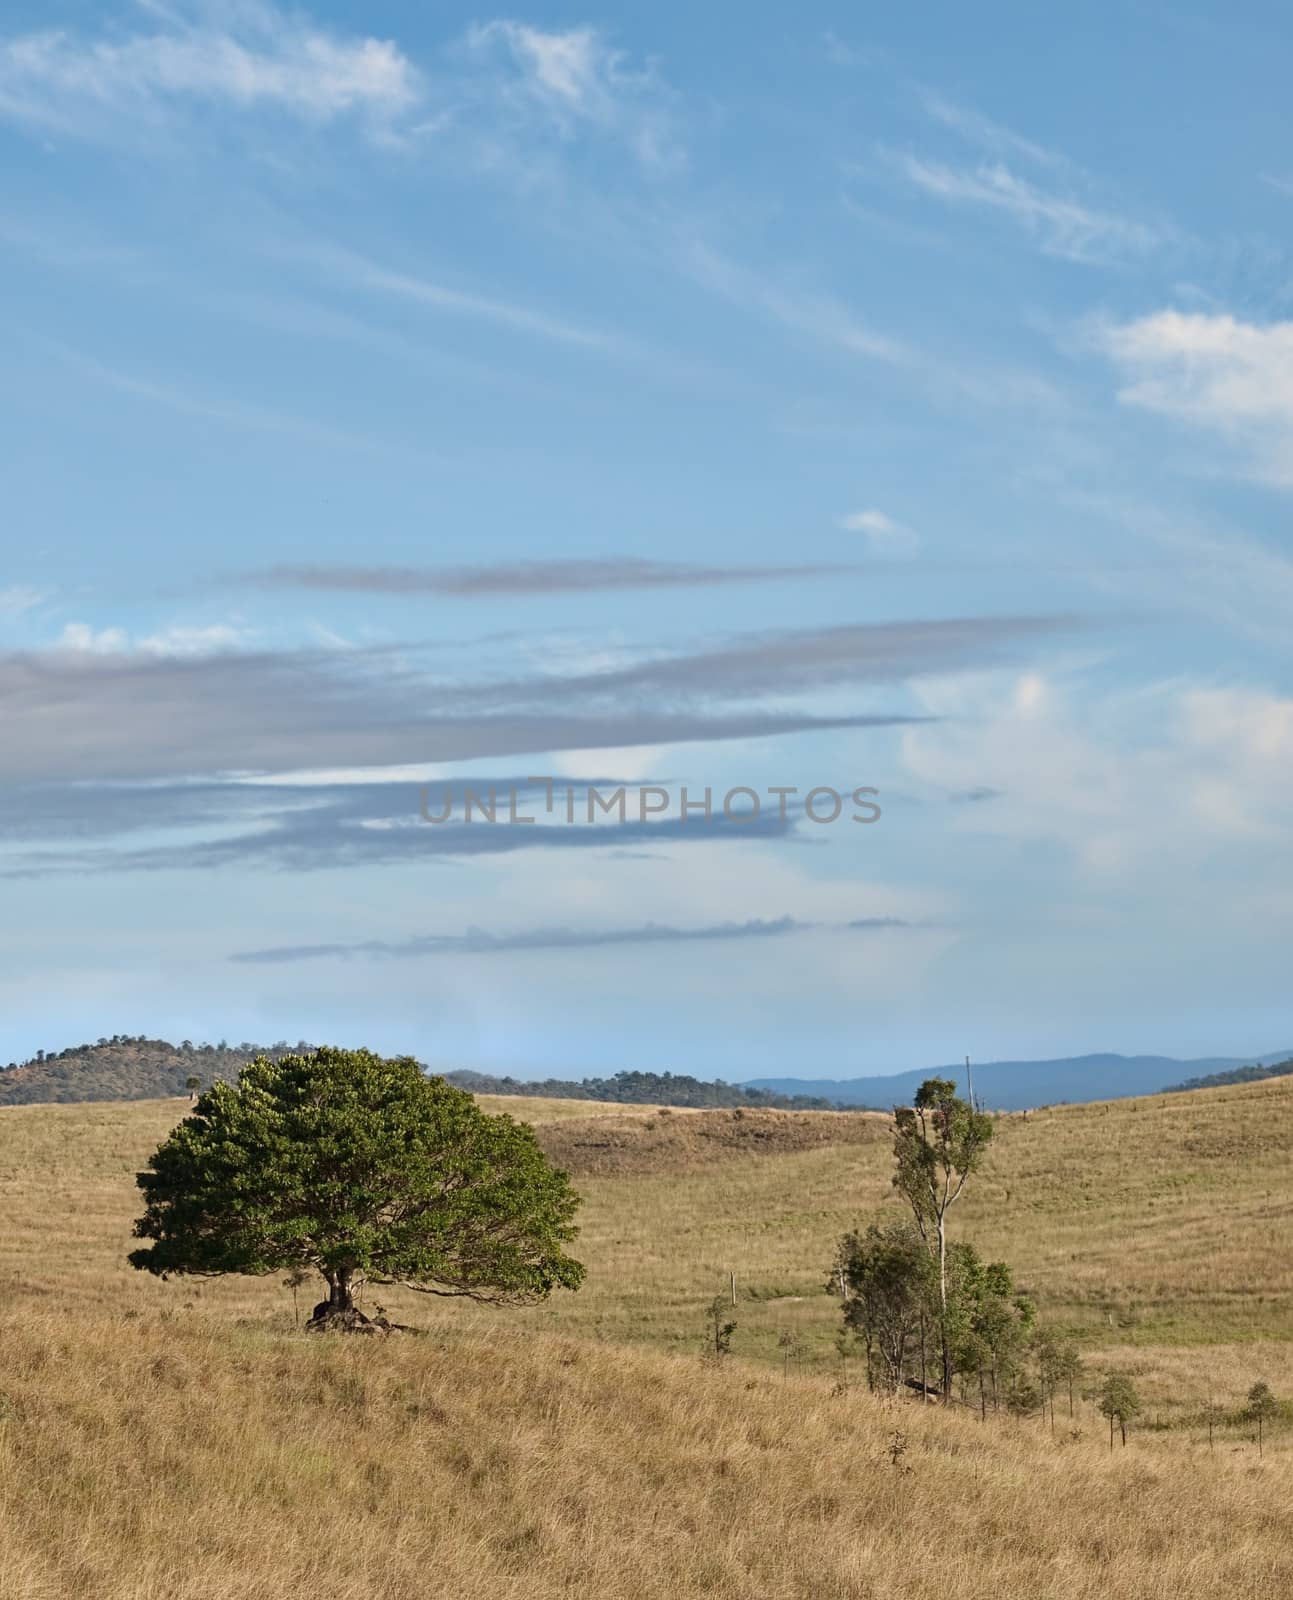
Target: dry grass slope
{"type": "Point", "coordinates": [183, 1441]}
{"type": "Point", "coordinates": [175, 1457]}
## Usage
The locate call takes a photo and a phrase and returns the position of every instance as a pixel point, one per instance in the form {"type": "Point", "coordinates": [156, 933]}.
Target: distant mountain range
{"type": "Point", "coordinates": [1017, 1085]}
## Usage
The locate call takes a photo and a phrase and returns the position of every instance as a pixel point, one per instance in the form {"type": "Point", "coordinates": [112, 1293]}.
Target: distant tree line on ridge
{"type": "Point", "coordinates": [1219, 1080]}
{"type": "Point", "coordinates": [646, 1088]}
{"type": "Point", "coordinates": [135, 1067]}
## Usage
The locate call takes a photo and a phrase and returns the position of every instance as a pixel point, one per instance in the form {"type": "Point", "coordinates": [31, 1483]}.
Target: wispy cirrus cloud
{"type": "Point", "coordinates": [228, 410]}
{"type": "Point", "coordinates": [359, 272]}
{"type": "Point", "coordinates": [973, 126]}
{"type": "Point", "coordinates": [1062, 225]}
{"type": "Point", "coordinates": [817, 316]}
{"type": "Point", "coordinates": [477, 941]}
{"type": "Point", "coordinates": [520, 578]}
{"type": "Point", "coordinates": [574, 79]}
{"type": "Point", "coordinates": [251, 56]}
{"type": "Point", "coordinates": [1216, 372]}
{"type": "Point", "coordinates": [18, 599]}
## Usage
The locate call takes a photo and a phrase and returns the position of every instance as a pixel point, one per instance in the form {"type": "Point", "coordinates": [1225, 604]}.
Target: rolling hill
{"type": "Point", "coordinates": [187, 1440]}
{"type": "Point", "coordinates": [125, 1067]}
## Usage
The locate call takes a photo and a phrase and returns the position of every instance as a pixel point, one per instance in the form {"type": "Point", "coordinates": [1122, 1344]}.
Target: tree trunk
{"type": "Point", "coordinates": [339, 1295]}
{"type": "Point", "coordinates": [1122, 1428]}
{"type": "Point", "coordinates": [942, 1307]}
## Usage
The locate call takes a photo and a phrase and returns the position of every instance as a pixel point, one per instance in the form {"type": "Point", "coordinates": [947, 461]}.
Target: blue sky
{"type": "Point", "coordinates": [406, 395]}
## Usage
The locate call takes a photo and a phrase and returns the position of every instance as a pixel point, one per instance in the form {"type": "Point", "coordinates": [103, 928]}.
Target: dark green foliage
{"type": "Point", "coordinates": [646, 1088]}
{"type": "Point", "coordinates": [357, 1166]}
{"type": "Point", "coordinates": [989, 1323]}
{"type": "Point", "coordinates": [890, 1296]}
{"type": "Point", "coordinates": [893, 1309]}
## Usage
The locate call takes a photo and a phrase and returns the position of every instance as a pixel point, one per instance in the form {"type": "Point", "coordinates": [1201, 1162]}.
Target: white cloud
{"type": "Point", "coordinates": [181, 641]}
{"type": "Point", "coordinates": [1064, 227]}
{"type": "Point", "coordinates": [1134, 789]}
{"type": "Point", "coordinates": [79, 636]}
{"type": "Point", "coordinates": [1216, 372]}
{"type": "Point", "coordinates": [173, 641]}
{"type": "Point", "coordinates": [245, 56]}
{"type": "Point", "coordinates": [576, 79]}
{"type": "Point", "coordinates": [884, 535]}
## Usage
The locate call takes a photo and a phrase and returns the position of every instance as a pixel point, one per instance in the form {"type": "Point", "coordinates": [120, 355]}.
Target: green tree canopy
{"type": "Point", "coordinates": [988, 1321]}
{"type": "Point", "coordinates": [356, 1166]}
{"type": "Point", "coordinates": [888, 1278]}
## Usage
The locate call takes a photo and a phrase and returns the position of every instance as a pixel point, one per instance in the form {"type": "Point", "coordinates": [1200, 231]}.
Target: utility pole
{"type": "Point", "coordinates": [969, 1084]}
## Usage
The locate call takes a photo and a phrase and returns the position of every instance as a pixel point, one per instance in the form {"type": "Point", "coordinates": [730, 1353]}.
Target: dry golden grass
{"type": "Point", "coordinates": [178, 1458]}
{"type": "Point", "coordinates": [657, 1142]}
{"type": "Point", "coordinates": [185, 1442]}
{"type": "Point", "coordinates": [540, 1108]}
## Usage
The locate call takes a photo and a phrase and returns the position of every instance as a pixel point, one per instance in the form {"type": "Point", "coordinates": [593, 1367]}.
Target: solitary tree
{"type": "Point", "coordinates": [1262, 1407]}
{"type": "Point", "coordinates": [939, 1141]}
{"type": "Point", "coordinates": [1119, 1401]}
{"type": "Point", "coordinates": [192, 1083]}
{"type": "Point", "coordinates": [357, 1167]}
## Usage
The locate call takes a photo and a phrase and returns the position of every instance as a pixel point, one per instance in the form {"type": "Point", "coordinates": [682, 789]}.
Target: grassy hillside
{"type": "Point", "coordinates": [171, 1454]}
{"type": "Point", "coordinates": [183, 1439]}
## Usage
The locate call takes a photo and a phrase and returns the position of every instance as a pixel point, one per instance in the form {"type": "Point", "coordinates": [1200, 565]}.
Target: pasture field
{"type": "Point", "coordinates": [184, 1441]}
